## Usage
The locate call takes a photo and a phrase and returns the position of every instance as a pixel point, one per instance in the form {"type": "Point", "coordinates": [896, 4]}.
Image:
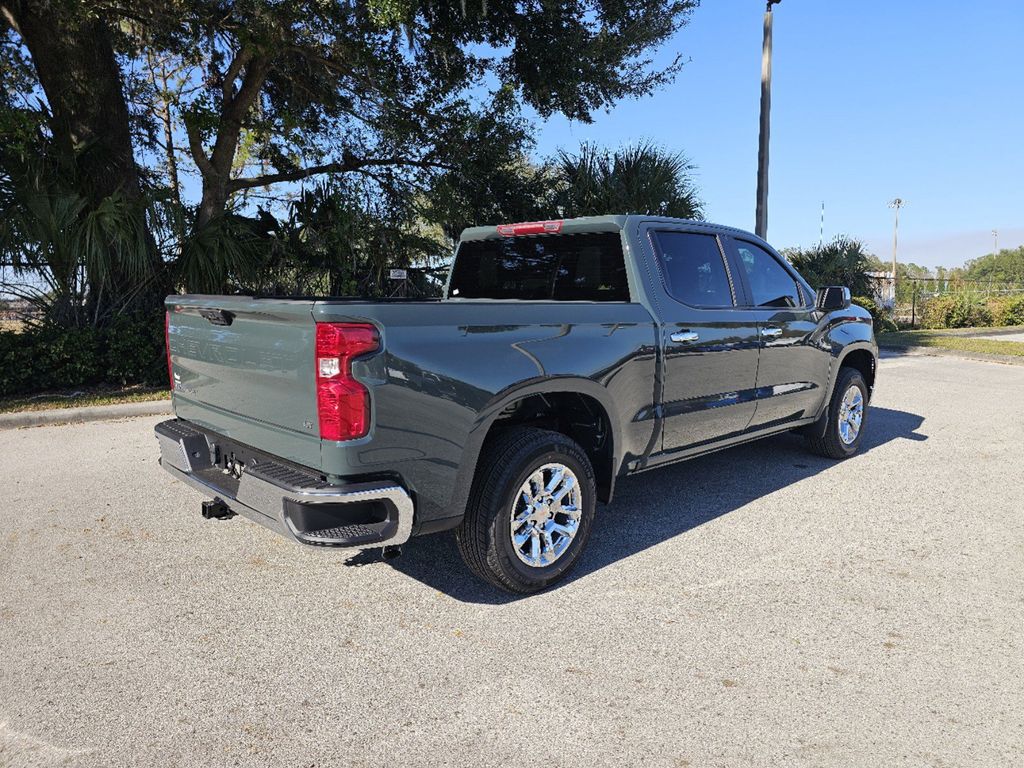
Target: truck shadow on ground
{"type": "Point", "coordinates": [690, 494]}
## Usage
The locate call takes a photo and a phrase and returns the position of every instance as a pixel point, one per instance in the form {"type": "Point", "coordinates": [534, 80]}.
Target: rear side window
{"type": "Point", "coordinates": [587, 267]}
{"type": "Point", "coordinates": [694, 269]}
{"type": "Point", "coordinates": [770, 283]}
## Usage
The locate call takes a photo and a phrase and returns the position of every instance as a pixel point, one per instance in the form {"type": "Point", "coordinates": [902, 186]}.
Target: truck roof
{"type": "Point", "coordinates": [607, 223]}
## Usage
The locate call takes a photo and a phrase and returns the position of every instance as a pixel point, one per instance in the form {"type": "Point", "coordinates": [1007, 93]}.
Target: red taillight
{"type": "Point", "coordinates": [167, 346]}
{"type": "Point", "coordinates": [530, 228]}
{"type": "Point", "coordinates": [342, 403]}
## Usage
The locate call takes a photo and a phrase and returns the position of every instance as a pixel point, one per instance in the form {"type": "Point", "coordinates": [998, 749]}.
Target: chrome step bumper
{"type": "Point", "coordinates": [296, 503]}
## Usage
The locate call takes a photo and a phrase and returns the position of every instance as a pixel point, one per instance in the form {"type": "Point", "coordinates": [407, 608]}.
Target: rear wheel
{"type": "Point", "coordinates": [846, 416]}
{"type": "Point", "coordinates": [530, 511]}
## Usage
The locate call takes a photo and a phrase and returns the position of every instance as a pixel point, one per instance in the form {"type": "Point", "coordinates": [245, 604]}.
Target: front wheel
{"type": "Point", "coordinates": [846, 416]}
{"type": "Point", "coordinates": [530, 511]}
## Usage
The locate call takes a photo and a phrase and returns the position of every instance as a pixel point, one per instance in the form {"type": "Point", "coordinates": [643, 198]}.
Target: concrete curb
{"type": "Point", "coordinates": [80, 415]}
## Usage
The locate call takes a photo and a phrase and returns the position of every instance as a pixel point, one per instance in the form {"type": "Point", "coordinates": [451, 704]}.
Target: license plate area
{"type": "Point", "coordinates": [233, 459]}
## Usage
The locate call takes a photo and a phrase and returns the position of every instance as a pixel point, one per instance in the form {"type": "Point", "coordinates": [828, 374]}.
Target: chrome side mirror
{"type": "Point", "coordinates": [832, 298]}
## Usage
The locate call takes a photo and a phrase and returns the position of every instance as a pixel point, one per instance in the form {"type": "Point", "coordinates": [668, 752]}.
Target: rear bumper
{"type": "Point", "coordinates": [290, 500]}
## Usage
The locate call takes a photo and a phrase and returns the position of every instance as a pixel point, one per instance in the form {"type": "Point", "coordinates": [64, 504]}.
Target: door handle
{"type": "Point", "coordinates": [684, 337]}
{"type": "Point", "coordinates": [771, 332]}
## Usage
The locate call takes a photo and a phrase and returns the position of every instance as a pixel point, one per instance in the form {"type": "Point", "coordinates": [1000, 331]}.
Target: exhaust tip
{"type": "Point", "coordinates": [391, 552]}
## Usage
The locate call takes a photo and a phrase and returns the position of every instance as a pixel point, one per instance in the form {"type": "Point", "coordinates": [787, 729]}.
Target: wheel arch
{"type": "Point", "coordinates": [860, 355]}
{"type": "Point", "coordinates": [578, 408]}
{"type": "Point", "coordinates": [864, 360]}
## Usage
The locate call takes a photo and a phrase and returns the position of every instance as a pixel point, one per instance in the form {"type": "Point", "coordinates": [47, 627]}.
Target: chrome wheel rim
{"type": "Point", "coordinates": [851, 414]}
{"type": "Point", "coordinates": [545, 515]}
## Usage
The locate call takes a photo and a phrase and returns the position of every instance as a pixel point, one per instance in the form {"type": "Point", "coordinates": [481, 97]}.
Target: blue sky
{"type": "Point", "coordinates": [871, 100]}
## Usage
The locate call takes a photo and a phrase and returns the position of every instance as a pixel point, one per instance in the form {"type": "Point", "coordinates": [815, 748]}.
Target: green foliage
{"type": "Point", "coordinates": [883, 323]}
{"type": "Point", "coordinates": [843, 261]}
{"type": "Point", "coordinates": [969, 309]}
{"type": "Point", "coordinates": [93, 258]}
{"type": "Point", "coordinates": [133, 352]}
{"type": "Point", "coordinates": [1006, 310]}
{"type": "Point", "coordinates": [963, 309]}
{"type": "Point", "coordinates": [224, 251]}
{"type": "Point", "coordinates": [1013, 311]}
{"type": "Point", "coordinates": [643, 178]}
{"type": "Point", "coordinates": [405, 96]}
{"type": "Point", "coordinates": [496, 182]}
{"type": "Point", "coordinates": [53, 358]}
{"type": "Point", "coordinates": [1007, 266]}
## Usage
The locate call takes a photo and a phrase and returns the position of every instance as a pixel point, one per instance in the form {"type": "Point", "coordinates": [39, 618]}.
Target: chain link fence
{"type": "Point", "coordinates": [906, 298]}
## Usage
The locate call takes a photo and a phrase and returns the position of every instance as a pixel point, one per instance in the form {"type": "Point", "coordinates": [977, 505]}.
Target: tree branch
{"type": "Point", "coordinates": [195, 145]}
{"type": "Point", "coordinates": [234, 69]}
{"type": "Point", "coordinates": [344, 166]}
{"type": "Point", "coordinates": [9, 18]}
{"type": "Point", "coordinates": [232, 116]}
{"type": "Point", "coordinates": [256, 70]}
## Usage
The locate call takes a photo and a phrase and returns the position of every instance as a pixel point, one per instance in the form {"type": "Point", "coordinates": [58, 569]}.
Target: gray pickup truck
{"type": "Point", "coordinates": [563, 355]}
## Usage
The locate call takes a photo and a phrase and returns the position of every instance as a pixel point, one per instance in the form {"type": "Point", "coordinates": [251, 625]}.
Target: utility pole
{"type": "Point", "coordinates": [761, 216]}
{"type": "Point", "coordinates": [821, 226]}
{"type": "Point", "coordinates": [895, 204]}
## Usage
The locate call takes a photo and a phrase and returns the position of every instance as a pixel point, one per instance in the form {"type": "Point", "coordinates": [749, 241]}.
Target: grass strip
{"type": "Point", "coordinates": [45, 402]}
{"type": "Point", "coordinates": [955, 342]}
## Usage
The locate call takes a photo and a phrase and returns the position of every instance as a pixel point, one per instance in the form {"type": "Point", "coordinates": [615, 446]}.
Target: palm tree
{"type": "Point", "coordinates": [90, 260]}
{"type": "Point", "coordinates": [642, 178]}
{"type": "Point", "coordinates": [844, 261]}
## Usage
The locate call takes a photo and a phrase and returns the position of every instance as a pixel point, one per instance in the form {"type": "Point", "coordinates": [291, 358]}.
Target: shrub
{"type": "Point", "coordinates": [135, 352]}
{"type": "Point", "coordinates": [1006, 310]}
{"type": "Point", "coordinates": [883, 323]}
{"type": "Point", "coordinates": [1014, 311]}
{"type": "Point", "coordinates": [50, 358]}
{"type": "Point", "coordinates": [960, 310]}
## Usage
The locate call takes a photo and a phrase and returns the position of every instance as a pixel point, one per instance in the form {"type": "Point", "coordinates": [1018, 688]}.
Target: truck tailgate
{"type": "Point", "coordinates": [244, 368]}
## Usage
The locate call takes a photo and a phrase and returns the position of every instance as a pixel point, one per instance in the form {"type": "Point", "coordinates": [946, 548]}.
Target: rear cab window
{"type": "Point", "coordinates": [694, 269]}
{"type": "Point", "coordinates": [569, 267]}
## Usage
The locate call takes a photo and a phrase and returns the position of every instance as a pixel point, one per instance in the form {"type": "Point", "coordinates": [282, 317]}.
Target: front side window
{"type": "Point", "coordinates": [770, 283]}
{"type": "Point", "coordinates": [586, 267]}
{"type": "Point", "coordinates": [694, 271]}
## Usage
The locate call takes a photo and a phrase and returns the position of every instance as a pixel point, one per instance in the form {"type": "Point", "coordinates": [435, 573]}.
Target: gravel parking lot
{"type": "Point", "coordinates": [760, 606]}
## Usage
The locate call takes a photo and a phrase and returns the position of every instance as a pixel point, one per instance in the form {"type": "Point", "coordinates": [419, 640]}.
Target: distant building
{"type": "Point", "coordinates": [884, 289]}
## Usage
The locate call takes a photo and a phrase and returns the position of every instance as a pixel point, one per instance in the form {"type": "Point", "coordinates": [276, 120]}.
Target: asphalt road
{"type": "Point", "coordinates": [757, 607]}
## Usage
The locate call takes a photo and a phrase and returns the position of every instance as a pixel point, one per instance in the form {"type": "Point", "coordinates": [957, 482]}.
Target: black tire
{"type": "Point", "coordinates": [508, 461]}
{"type": "Point", "coordinates": [831, 444]}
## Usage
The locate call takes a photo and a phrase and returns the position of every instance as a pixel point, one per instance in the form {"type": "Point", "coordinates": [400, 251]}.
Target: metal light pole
{"type": "Point", "coordinates": [761, 216]}
{"type": "Point", "coordinates": [896, 205]}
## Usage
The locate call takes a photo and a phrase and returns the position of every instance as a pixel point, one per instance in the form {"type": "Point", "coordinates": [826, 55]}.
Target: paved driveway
{"type": "Point", "coordinates": [757, 607]}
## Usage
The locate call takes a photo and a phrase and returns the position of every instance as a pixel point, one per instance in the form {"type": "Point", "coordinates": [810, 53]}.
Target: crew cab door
{"type": "Point", "coordinates": [793, 369]}
{"type": "Point", "coordinates": [710, 345]}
